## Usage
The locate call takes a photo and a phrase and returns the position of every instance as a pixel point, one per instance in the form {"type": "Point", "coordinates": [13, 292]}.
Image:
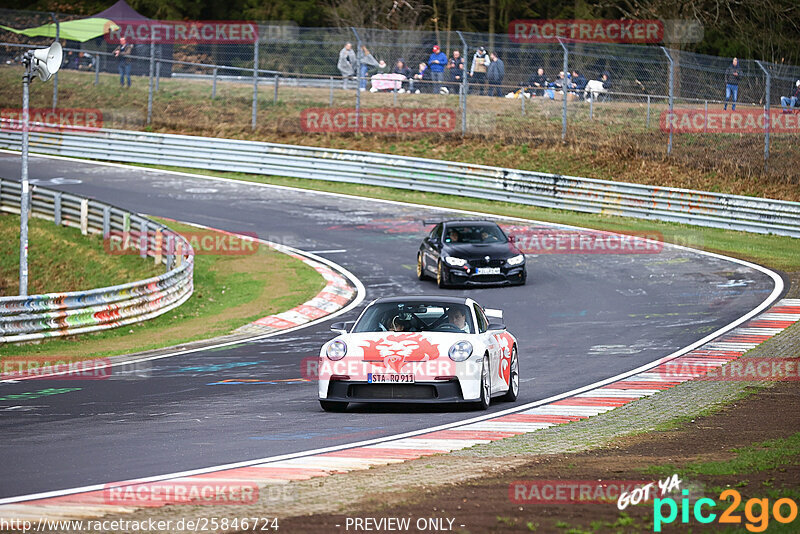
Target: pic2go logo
{"type": "Point", "coordinates": [756, 511]}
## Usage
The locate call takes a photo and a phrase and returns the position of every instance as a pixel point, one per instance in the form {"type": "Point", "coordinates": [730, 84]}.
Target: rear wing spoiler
{"type": "Point", "coordinates": [493, 313]}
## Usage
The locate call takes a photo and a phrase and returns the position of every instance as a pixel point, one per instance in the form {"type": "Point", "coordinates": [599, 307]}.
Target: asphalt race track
{"type": "Point", "coordinates": [580, 319]}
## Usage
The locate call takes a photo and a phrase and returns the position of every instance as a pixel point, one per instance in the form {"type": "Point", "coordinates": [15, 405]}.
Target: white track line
{"type": "Point", "coordinates": [773, 296]}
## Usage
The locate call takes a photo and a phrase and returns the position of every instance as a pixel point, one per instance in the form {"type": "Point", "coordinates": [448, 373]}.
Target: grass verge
{"type": "Point", "coordinates": [229, 291]}
{"type": "Point", "coordinates": [50, 248]}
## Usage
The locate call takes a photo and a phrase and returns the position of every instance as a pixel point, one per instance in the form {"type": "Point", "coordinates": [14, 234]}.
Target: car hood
{"type": "Point", "coordinates": [396, 351]}
{"type": "Point", "coordinates": [470, 251]}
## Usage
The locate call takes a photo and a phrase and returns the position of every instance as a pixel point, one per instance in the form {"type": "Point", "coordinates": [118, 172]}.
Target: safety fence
{"type": "Point", "coordinates": [701, 208]}
{"type": "Point", "coordinates": [218, 88]}
{"type": "Point", "coordinates": [26, 318]}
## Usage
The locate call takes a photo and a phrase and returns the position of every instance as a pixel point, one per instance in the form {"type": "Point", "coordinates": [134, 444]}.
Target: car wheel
{"type": "Point", "coordinates": [513, 378]}
{"type": "Point", "coordinates": [486, 386]}
{"type": "Point", "coordinates": [333, 406]}
{"type": "Point", "coordinates": [440, 277]}
{"type": "Point", "coordinates": [420, 268]}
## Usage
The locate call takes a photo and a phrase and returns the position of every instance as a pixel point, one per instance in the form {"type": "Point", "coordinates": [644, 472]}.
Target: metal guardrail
{"type": "Point", "coordinates": [26, 318]}
{"type": "Point", "coordinates": [734, 212]}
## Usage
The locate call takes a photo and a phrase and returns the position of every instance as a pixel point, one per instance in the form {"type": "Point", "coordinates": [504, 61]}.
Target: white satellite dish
{"type": "Point", "coordinates": [47, 61]}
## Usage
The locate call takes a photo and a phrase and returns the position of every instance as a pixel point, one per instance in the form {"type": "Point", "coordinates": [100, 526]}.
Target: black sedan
{"type": "Point", "coordinates": [470, 252]}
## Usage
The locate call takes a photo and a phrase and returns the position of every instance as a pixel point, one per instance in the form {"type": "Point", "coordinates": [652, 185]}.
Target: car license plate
{"type": "Point", "coordinates": [487, 270]}
{"type": "Point", "coordinates": [389, 378]}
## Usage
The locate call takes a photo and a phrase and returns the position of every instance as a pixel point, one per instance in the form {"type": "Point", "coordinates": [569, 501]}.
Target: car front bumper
{"type": "Point", "coordinates": [421, 392]}
{"type": "Point", "coordinates": [507, 276]}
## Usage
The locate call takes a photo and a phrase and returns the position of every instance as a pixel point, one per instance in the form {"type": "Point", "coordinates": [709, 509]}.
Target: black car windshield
{"type": "Point", "coordinates": [416, 317]}
{"type": "Point", "coordinates": [474, 234]}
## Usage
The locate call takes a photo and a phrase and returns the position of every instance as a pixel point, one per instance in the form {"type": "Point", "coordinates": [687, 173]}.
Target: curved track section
{"type": "Point", "coordinates": [581, 319]}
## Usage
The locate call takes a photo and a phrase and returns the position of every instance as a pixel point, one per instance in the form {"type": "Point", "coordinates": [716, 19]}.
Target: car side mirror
{"type": "Point", "coordinates": [342, 327]}
{"type": "Point", "coordinates": [496, 326]}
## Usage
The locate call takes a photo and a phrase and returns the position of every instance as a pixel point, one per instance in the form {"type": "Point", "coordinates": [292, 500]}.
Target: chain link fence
{"type": "Point", "coordinates": [300, 81]}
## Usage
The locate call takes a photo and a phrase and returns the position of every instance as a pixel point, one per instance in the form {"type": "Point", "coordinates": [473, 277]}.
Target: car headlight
{"type": "Point", "coordinates": [336, 350]}
{"type": "Point", "coordinates": [460, 351]}
{"type": "Point", "coordinates": [516, 260]}
{"type": "Point", "coordinates": [455, 262]}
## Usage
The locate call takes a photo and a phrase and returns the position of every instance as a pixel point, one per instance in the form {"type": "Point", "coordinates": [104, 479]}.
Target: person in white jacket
{"type": "Point", "coordinates": [477, 74]}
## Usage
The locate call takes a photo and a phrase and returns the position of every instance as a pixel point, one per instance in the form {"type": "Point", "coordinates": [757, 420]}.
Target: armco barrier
{"type": "Point", "coordinates": [733, 212]}
{"type": "Point", "coordinates": [59, 314]}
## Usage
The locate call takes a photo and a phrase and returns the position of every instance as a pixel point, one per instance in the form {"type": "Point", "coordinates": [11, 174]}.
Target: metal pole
{"type": "Point", "coordinates": [705, 116]}
{"type": "Point", "coordinates": [330, 97]}
{"type": "Point", "coordinates": [564, 90]}
{"type": "Point", "coordinates": [275, 96]}
{"type": "Point", "coordinates": [255, 84]}
{"type": "Point", "coordinates": [158, 73]}
{"type": "Point", "coordinates": [464, 85]}
{"type": "Point", "coordinates": [394, 96]}
{"type": "Point", "coordinates": [647, 124]}
{"type": "Point", "coordinates": [96, 68]}
{"type": "Point", "coordinates": [214, 84]}
{"type": "Point", "coordinates": [671, 96]}
{"type": "Point", "coordinates": [767, 115]}
{"type": "Point", "coordinates": [25, 192]}
{"type": "Point", "coordinates": [358, 76]}
{"type": "Point", "coordinates": [591, 108]}
{"type": "Point", "coordinates": [150, 85]}
{"type": "Point", "coordinates": [522, 100]}
{"type": "Point", "coordinates": [55, 76]}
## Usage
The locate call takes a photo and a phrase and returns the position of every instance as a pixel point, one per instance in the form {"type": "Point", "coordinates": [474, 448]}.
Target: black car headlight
{"type": "Point", "coordinates": [516, 260]}
{"type": "Point", "coordinates": [455, 262]}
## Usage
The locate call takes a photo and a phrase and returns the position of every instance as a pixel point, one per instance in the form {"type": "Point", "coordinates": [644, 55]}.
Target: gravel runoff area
{"type": "Point", "coordinates": [319, 504]}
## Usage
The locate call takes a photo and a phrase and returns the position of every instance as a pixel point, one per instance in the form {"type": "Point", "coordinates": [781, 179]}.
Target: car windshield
{"type": "Point", "coordinates": [474, 234]}
{"type": "Point", "coordinates": [416, 317]}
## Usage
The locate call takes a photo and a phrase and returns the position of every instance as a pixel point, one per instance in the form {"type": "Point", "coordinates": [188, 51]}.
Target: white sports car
{"type": "Point", "coordinates": [419, 349]}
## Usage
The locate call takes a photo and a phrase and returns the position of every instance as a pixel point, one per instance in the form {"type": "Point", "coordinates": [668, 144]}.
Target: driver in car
{"type": "Point", "coordinates": [458, 318]}
{"type": "Point", "coordinates": [398, 324]}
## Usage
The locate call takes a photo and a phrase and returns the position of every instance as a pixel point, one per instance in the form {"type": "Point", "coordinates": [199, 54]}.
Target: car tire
{"type": "Point", "coordinates": [333, 406]}
{"type": "Point", "coordinates": [513, 378]}
{"type": "Point", "coordinates": [420, 267]}
{"type": "Point", "coordinates": [486, 386]}
{"type": "Point", "coordinates": [440, 276]}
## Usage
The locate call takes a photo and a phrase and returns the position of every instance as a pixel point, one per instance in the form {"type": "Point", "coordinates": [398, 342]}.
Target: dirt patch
{"type": "Point", "coordinates": [484, 505]}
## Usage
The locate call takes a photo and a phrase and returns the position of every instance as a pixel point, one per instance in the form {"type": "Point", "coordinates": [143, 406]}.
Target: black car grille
{"type": "Point", "coordinates": [391, 391]}
{"type": "Point", "coordinates": [488, 278]}
{"type": "Point", "coordinates": [483, 263]}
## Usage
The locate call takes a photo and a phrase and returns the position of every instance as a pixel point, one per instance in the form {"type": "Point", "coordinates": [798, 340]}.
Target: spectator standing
{"type": "Point", "coordinates": [401, 69]}
{"type": "Point", "coordinates": [495, 74]}
{"type": "Point", "coordinates": [437, 62]}
{"type": "Point", "coordinates": [791, 100]}
{"type": "Point", "coordinates": [480, 64]}
{"type": "Point", "coordinates": [417, 84]}
{"type": "Point", "coordinates": [122, 53]}
{"type": "Point", "coordinates": [455, 71]}
{"type": "Point", "coordinates": [346, 63]}
{"type": "Point", "coordinates": [367, 60]}
{"type": "Point", "coordinates": [732, 76]}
